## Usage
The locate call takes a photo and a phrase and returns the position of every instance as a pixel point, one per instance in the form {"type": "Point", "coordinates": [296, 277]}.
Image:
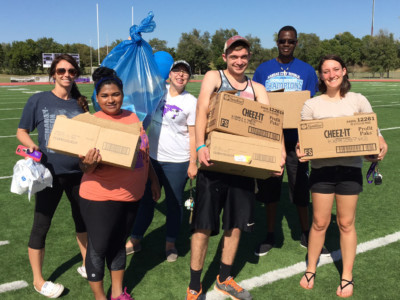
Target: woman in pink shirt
{"type": "Point", "coordinates": [110, 195]}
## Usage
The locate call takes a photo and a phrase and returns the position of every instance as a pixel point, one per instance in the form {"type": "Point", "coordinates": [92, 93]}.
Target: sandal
{"type": "Point", "coordinates": [308, 280]}
{"type": "Point", "coordinates": [348, 282]}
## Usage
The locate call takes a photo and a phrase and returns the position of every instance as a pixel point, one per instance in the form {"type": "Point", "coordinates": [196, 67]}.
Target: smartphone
{"type": "Point", "coordinates": [24, 151]}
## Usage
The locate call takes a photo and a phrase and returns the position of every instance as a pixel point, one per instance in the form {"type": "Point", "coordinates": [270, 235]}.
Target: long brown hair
{"type": "Point", "coordinates": [345, 86]}
{"type": "Point", "coordinates": [75, 93]}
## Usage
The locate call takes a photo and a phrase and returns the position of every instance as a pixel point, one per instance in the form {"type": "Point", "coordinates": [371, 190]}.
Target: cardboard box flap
{"type": "Point", "coordinates": [291, 103]}
{"type": "Point", "coordinates": [91, 119]}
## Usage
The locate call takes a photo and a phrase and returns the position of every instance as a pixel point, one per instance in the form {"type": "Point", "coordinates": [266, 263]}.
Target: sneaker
{"type": "Point", "coordinates": [263, 248]}
{"type": "Point", "coordinates": [82, 271]}
{"type": "Point", "coordinates": [171, 254]}
{"type": "Point", "coordinates": [193, 295]}
{"type": "Point", "coordinates": [50, 289]}
{"type": "Point", "coordinates": [230, 288]}
{"type": "Point", "coordinates": [134, 249]}
{"type": "Point", "coordinates": [304, 244]}
{"type": "Point", "coordinates": [123, 296]}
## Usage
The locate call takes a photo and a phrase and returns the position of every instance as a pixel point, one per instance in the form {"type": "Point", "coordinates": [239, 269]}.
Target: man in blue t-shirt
{"type": "Point", "coordinates": [291, 74]}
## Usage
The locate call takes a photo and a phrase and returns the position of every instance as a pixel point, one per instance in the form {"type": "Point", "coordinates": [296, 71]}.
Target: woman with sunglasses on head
{"type": "Point", "coordinates": [332, 178]}
{"type": "Point", "coordinates": [110, 195]}
{"type": "Point", "coordinates": [40, 113]}
{"type": "Point", "coordinates": [173, 156]}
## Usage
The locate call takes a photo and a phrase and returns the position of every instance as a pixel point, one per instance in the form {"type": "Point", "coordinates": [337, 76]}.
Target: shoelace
{"type": "Point", "coordinates": [194, 293]}
{"type": "Point", "coordinates": [232, 283]}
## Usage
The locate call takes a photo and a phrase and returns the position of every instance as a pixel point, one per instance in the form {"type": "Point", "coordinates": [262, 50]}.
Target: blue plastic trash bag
{"type": "Point", "coordinates": [134, 63]}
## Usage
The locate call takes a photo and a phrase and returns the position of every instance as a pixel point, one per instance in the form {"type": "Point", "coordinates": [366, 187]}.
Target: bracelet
{"type": "Point", "coordinates": [199, 147]}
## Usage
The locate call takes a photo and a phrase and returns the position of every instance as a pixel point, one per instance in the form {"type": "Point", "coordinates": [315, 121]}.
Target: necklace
{"type": "Point", "coordinates": [286, 69]}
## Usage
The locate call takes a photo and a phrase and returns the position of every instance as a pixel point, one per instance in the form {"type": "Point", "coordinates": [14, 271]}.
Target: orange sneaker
{"type": "Point", "coordinates": [230, 288]}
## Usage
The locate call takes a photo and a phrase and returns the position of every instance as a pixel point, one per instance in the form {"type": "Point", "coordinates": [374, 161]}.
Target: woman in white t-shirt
{"type": "Point", "coordinates": [332, 178]}
{"type": "Point", "coordinates": [173, 156]}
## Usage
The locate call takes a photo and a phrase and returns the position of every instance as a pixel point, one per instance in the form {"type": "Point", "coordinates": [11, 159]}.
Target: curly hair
{"type": "Point", "coordinates": [104, 75]}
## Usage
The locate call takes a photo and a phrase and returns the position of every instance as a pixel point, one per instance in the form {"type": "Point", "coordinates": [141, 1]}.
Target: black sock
{"type": "Point", "coordinates": [195, 280]}
{"type": "Point", "coordinates": [224, 271]}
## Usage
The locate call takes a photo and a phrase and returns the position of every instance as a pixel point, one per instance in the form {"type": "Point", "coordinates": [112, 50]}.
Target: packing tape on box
{"type": "Point", "coordinates": [243, 158]}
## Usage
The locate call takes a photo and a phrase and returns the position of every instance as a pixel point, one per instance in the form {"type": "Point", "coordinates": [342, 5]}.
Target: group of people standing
{"type": "Point", "coordinates": [110, 203]}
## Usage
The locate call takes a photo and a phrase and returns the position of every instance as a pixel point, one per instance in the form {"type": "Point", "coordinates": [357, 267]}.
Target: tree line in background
{"type": "Point", "coordinates": [377, 54]}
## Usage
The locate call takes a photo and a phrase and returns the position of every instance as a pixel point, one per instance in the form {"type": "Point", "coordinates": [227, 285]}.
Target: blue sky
{"type": "Point", "coordinates": [74, 21]}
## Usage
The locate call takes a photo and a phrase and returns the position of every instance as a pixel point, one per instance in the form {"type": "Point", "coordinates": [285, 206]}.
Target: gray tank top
{"type": "Point", "coordinates": [247, 92]}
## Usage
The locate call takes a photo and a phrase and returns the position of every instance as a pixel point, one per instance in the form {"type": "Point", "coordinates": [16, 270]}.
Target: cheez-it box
{"type": "Point", "coordinates": [339, 137]}
{"type": "Point", "coordinates": [236, 115]}
{"type": "Point", "coordinates": [243, 156]}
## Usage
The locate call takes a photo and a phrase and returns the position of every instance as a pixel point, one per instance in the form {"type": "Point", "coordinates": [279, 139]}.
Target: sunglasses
{"type": "Point", "coordinates": [184, 72]}
{"type": "Point", "coordinates": [62, 71]}
{"type": "Point", "coordinates": [283, 41]}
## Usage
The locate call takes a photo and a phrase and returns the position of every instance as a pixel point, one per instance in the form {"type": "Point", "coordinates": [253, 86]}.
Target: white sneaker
{"type": "Point", "coordinates": [82, 271]}
{"type": "Point", "coordinates": [51, 290]}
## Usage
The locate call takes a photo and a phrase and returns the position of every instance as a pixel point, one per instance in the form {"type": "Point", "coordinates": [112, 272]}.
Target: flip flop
{"type": "Point", "coordinates": [348, 282]}
{"type": "Point", "coordinates": [308, 279]}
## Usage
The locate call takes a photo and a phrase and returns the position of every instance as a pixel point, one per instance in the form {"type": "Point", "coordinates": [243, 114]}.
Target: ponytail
{"type": "Point", "coordinates": [76, 94]}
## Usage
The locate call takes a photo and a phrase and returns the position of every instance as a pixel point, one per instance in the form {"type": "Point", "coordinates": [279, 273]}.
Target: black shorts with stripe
{"type": "Point", "coordinates": [217, 192]}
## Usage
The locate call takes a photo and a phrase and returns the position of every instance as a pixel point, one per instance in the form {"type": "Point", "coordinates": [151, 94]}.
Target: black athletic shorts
{"type": "Point", "coordinates": [339, 180]}
{"type": "Point", "coordinates": [269, 190]}
{"type": "Point", "coordinates": [232, 194]}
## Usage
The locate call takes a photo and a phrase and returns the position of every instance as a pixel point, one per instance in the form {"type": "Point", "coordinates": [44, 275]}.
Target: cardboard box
{"type": "Point", "coordinates": [236, 115]}
{"type": "Point", "coordinates": [118, 143]}
{"type": "Point", "coordinates": [339, 137]}
{"type": "Point", "coordinates": [291, 103]}
{"type": "Point", "coordinates": [244, 156]}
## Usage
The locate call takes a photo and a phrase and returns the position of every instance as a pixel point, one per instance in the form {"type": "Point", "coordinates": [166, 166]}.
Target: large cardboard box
{"type": "Point", "coordinates": [339, 137]}
{"type": "Point", "coordinates": [291, 103]}
{"type": "Point", "coordinates": [236, 115]}
{"type": "Point", "coordinates": [244, 156]}
{"type": "Point", "coordinates": [118, 143]}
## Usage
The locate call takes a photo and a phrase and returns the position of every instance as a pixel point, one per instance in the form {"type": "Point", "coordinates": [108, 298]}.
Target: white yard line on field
{"type": "Point", "coordinates": [9, 119]}
{"type": "Point", "coordinates": [13, 136]}
{"type": "Point", "coordinates": [2, 103]}
{"type": "Point", "coordinates": [384, 105]}
{"type": "Point", "coordinates": [5, 177]}
{"type": "Point", "coordinates": [12, 286]}
{"type": "Point", "coordinates": [2, 243]}
{"type": "Point", "coordinates": [300, 267]}
{"type": "Point", "coordinates": [391, 128]}
{"type": "Point", "coordinates": [10, 108]}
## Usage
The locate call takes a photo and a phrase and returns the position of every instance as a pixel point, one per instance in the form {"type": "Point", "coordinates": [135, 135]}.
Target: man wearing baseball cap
{"type": "Point", "coordinates": [216, 192]}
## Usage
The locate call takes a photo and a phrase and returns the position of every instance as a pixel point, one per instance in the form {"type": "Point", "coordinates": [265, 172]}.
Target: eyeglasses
{"type": "Point", "coordinates": [62, 71]}
{"type": "Point", "coordinates": [184, 72]}
{"type": "Point", "coordinates": [283, 41]}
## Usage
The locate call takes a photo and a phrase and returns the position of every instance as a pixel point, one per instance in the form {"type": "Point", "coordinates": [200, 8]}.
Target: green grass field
{"type": "Point", "coordinates": [150, 277]}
